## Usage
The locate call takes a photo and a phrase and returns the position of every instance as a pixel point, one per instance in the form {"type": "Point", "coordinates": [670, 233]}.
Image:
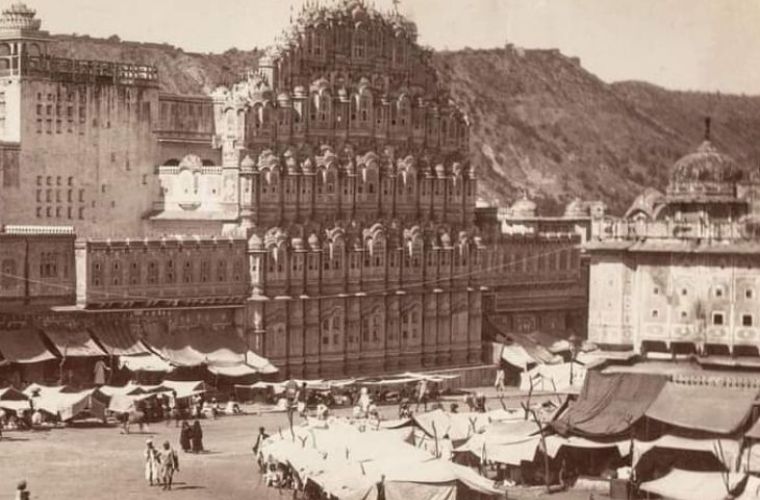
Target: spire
{"type": "Point", "coordinates": [708, 119]}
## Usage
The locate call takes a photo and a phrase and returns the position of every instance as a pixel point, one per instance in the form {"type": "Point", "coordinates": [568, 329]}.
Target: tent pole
{"type": "Point", "coordinates": [545, 450]}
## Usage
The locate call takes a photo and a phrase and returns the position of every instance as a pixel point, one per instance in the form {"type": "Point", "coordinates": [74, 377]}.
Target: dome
{"type": "Point", "coordinates": [314, 242]}
{"type": "Point", "coordinates": [19, 17]}
{"type": "Point", "coordinates": [705, 172]}
{"type": "Point", "coordinates": [440, 170]}
{"type": "Point", "coordinates": [445, 240]}
{"type": "Point", "coordinates": [523, 207]}
{"type": "Point", "coordinates": [255, 242]}
{"type": "Point", "coordinates": [191, 161]}
{"type": "Point", "coordinates": [248, 163]}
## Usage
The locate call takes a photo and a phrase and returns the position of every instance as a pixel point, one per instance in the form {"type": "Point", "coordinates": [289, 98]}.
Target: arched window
{"type": "Point", "coordinates": [360, 44]}
{"type": "Point", "coordinates": [404, 112]}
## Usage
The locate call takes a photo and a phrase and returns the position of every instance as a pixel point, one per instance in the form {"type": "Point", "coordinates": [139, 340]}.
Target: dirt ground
{"type": "Point", "coordinates": [102, 463]}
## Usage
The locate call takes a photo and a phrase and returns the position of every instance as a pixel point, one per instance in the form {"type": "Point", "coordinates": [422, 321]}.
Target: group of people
{"type": "Point", "coordinates": [191, 437]}
{"type": "Point", "coordinates": [160, 464]}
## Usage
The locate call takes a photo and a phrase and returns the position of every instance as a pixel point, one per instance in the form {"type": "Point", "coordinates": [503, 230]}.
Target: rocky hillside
{"type": "Point", "coordinates": [540, 122]}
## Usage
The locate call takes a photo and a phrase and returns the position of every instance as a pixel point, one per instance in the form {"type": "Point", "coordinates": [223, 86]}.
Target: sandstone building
{"type": "Point", "coordinates": [680, 272]}
{"type": "Point", "coordinates": [323, 208]}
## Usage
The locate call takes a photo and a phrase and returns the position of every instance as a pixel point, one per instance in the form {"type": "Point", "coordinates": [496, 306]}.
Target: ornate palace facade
{"type": "Point", "coordinates": [332, 188]}
{"type": "Point", "coordinates": [681, 271]}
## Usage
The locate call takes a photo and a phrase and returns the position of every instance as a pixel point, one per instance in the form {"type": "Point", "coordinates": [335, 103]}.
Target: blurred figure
{"type": "Point", "coordinates": [185, 435]}
{"type": "Point", "coordinates": [21, 492]}
{"type": "Point", "coordinates": [150, 456]}
{"type": "Point", "coordinates": [196, 437]}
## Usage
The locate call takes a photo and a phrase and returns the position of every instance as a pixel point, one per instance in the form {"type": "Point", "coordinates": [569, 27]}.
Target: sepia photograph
{"type": "Point", "coordinates": [380, 249]}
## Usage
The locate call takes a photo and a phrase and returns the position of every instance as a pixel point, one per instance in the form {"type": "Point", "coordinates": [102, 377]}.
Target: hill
{"type": "Point", "coordinates": [540, 122]}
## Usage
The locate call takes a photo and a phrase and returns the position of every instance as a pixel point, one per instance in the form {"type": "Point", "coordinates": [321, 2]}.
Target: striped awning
{"type": "Point", "coordinates": [118, 340]}
{"type": "Point", "coordinates": [23, 346]}
{"type": "Point", "coordinates": [73, 342]}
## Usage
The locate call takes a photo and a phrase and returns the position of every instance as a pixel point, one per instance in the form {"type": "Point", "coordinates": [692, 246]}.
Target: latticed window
{"type": "Point", "coordinates": [49, 265]}
{"type": "Point", "coordinates": [134, 273]}
{"type": "Point", "coordinates": [205, 271]}
{"type": "Point", "coordinates": [187, 272]}
{"type": "Point", "coordinates": [152, 272]}
{"type": "Point", "coordinates": [9, 278]}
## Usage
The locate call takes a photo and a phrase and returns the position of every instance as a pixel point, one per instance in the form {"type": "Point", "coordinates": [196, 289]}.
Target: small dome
{"type": "Point", "coordinates": [314, 242]}
{"type": "Point", "coordinates": [283, 98]}
{"type": "Point", "coordinates": [191, 161]}
{"type": "Point", "coordinates": [19, 17]}
{"type": "Point", "coordinates": [299, 91]}
{"type": "Point", "coordinates": [297, 243]}
{"type": "Point", "coordinates": [523, 207]}
{"type": "Point", "coordinates": [705, 172]}
{"type": "Point", "coordinates": [440, 170]}
{"type": "Point", "coordinates": [445, 240]}
{"type": "Point", "coordinates": [248, 163]}
{"type": "Point", "coordinates": [255, 242]}
{"type": "Point", "coordinates": [308, 166]}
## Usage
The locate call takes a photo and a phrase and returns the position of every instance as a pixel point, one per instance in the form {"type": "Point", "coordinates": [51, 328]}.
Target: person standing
{"type": "Point", "coordinates": [151, 463]}
{"type": "Point", "coordinates": [499, 382]}
{"type": "Point", "coordinates": [169, 465]}
{"type": "Point", "coordinates": [422, 395]}
{"type": "Point", "coordinates": [185, 435]}
{"type": "Point", "coordinates": [196, 437]}
{"type": "Point", "coordinates": [21, 492]}
{"type": "Point", "coordinates": [302, 399]}
{"type": "Point", "coordinates": [99, 372]}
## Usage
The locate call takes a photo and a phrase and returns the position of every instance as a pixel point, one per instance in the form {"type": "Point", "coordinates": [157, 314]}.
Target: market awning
{"type": "Point", "coordinates": [148, 362]}
{"type": "Point", "coordinates": [721, 410]}
{"type": "Point", "coordinates": [725, 450]}
{"type": "Point", "coordinates": [73, 342]}
{"type": "Point", "coordinates": [118, 339]}
{"type": "Point", "coordinates": [220, 349]}
{"type": "Point", "coordinates": [70, 405]}
{"type": "Point", "coordinates": [688, 485]}
{"type": "Point", "coordinates": [23, 346]}
{"type": "Point", "coordinates": [238, 370]}
{"type": "Point", "coordinates": [609, 404]}
{"type": "Point", "coordinates": [185, 389]}
{"type": "Point", "coordinates": [517, 356]}
{"type": "Point", "coordinates": [555, 443]}
{"type": "Point", "coordinates": [12, 399]}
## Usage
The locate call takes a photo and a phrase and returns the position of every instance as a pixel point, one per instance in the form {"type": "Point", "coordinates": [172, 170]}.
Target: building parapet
{"type": "Point", "coordinates": [38, 230]}
{"type": "Point", "coordinates": [611, 229]}
{"type": "Point", "coordinates": [87, 70]}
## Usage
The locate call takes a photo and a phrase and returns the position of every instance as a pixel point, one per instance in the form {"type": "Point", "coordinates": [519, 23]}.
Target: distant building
{"type": "Point", "coordinates": [681, 271]}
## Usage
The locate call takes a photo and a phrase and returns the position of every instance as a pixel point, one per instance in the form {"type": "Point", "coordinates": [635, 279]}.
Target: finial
{"type": "Point", "coordinates": [396, 3]}
{"type": "Point", "coordinates": [707, 128]}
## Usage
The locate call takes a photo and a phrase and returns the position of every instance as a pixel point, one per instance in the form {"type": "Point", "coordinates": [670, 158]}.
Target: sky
{"type": "Point", "coordinates": [710, 45]}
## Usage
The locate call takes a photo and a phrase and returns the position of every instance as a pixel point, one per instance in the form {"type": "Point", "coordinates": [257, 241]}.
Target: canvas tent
{"type": "Point", "coordinates": [609, 404]}
{"type": "Point", "coordinates": [71, 404]}
{"type": "Point", "coordinates": [719, 410]}
{"type": "Point", "coordinates": [14, 400]}
{"type": "Point", "coordinates": [725, 450]}
{"type": "Point", "coordinates": [688, 485]}
{"type": "Point", "coordinates": [148, 362]}
{"type": "Point", "coordinates": [23, 346]}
